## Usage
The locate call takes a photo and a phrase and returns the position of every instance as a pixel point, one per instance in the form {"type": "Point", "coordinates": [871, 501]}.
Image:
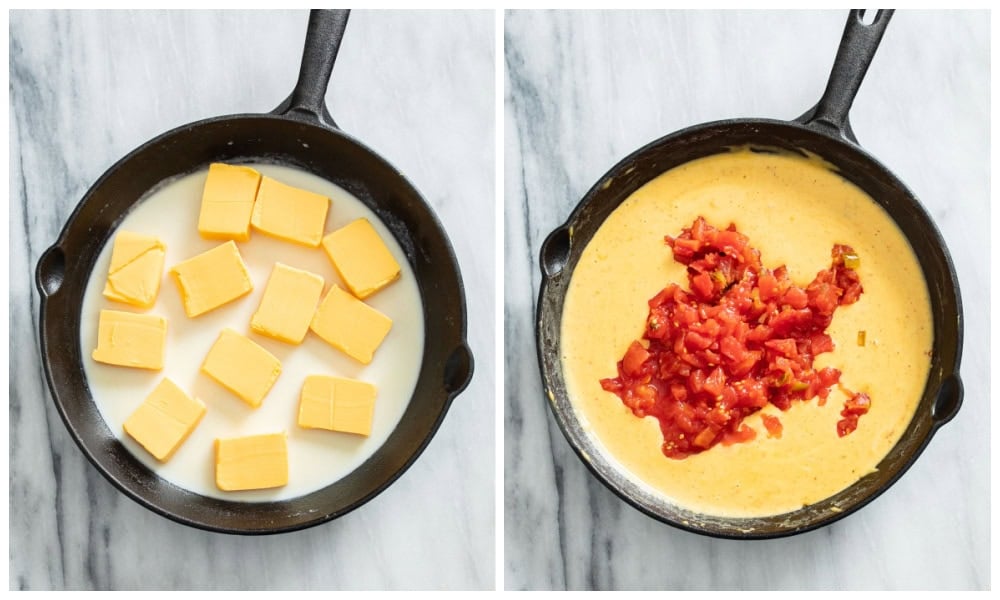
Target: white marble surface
{"type": "Point", "coordinates": [584, 89]}
{"type": "Point", "coordinates": [85, 89]}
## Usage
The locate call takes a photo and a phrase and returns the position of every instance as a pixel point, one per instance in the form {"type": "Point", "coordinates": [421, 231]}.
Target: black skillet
{"type": "Point", "coordinates": [298, 133]}
{"type": "Point", "coordinates": [824, 130]}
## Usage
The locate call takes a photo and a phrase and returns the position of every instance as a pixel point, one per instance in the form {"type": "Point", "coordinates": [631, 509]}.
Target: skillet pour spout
{"type": "Point", "coordinates": [300, 133]}
{"type": "Point", "coordinates": [824, 131]}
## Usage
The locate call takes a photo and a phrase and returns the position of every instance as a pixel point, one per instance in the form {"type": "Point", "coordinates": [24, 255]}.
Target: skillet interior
{"type": "Point", "coordinates": [64, 269]}
{"type": "Point", "coordinates": [561, 251]}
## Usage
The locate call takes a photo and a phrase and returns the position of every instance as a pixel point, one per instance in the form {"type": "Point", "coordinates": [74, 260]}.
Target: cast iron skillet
{"type": "Point", "coordinates": [824, 130]}
{"type": "Point", "coordinates": [299, 133]}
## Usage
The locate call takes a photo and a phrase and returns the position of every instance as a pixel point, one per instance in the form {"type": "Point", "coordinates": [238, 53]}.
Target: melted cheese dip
{"type": "Point", "coordinates": [316, 457]}
{"type": "Point", "coordinates": [793, 210]}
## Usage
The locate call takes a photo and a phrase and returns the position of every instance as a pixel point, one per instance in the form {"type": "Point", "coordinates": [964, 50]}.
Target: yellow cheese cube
{"type": "Point", "coordinates": [131, 340]}
{"type": "Point", "coordinates": [289, 213]}
{"type": "Point", "coordinates": [350, 325]}
{"type": "Point", "coordinates": [227, 202]}
{"type": "Point", "coordinates": [251, 463]}
{"type": "Point", "coordinates": [211, 279]}
{"type": "Point", "coordinates": [136, 269]}
{"type": "Point", "coordinates": [241, 366]}
{"type": "Point", "coordinates": [288, 304]}
{"type": "Point", "coordinates": [337, 404]}
{"type": "Point", "coordinates": [361, 258]}
{"type": "Point", "coordinates": [164, 419]}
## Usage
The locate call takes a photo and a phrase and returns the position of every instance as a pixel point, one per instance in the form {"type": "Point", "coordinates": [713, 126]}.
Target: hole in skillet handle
{"type": "Point", "coordinates": [555, 252]}
{"type": "Point", "coordinates": [51, 271]}
{"type": "Point", "coordinates": [867, 17]}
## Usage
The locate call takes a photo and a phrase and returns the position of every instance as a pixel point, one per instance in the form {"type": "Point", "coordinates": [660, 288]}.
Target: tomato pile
{"type": "Point", "coordinates": [742, 337]}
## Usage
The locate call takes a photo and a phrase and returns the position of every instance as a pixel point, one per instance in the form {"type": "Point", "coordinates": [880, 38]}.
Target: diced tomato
{"type": "Point", "coordinates": [849, 282]}
{"type": "Point", "coordinates": [698, 229]}
{"type": "Point", "coordinates": [730, 241]}
{"type": "Point", "coordinates": [719, 416]}
{"type": "Point", "coordinates": [684, 415]}
{"type": "Point", "coordinates": [711, 328]}
{"type": "Point", "coordinates": [741, 435]}
{"type": "Point", "coordinates": [679, 392]}
{"type": "Point", "coordinates": [635, 356]}
{"type": "Point", "coordinates": [796, 297]}
{"type": "Point", "coordinates": [768, 286]}
{"type": "Point", "coordinates": [705, 438]}
{"type": "Point", "coordinates": [684, 249]}
{"type": "Point", "coordinates": [695, 341]}
{"type": "Point", "coordinates": [645, 395]}
{"type": "Point", "coordinates": [823, 296]}
{"type": "Point", "coordinates": [658, 325]}
{"type": "Point", "coordinates": [847, 425]}
{"type": "Point", "coordinates": [760, 333]}
{"type": "Point", "coordinates": [785, 346]}
{"type": "Point", "coordinates": [665, 294]}
{"type": "Point", "coordinates": [732, 348]}
{"type": "Point", "coordinates": [820, 343]}
{"type": "Point", "coordinates": [773, 425]}
{"type": "Point", "coordinates": [746, 364]}
{"type": "Point", "coordinates": [701, 285]}
{"type": "Point", "coordinates": [855, 406]}
{"type": "Point", "coordinates": [781, 399]}
{"type": "Point", "coordinates": [740, 337]}
{"type": "Point", "coordinates": [715, 383]}
{"type": "Point", "coordinates": [711, 357]}
{"type": "Point", "coordinates": [790, 320]}
{"type": "Point", "coordinates": [685, 315]}
{"type": "Point", "coordinates": [696, 382]}
{"type": "Point", "coordinates": [828, 376]}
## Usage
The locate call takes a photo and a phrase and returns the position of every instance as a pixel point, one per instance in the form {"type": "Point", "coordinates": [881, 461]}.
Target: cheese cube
{"type": "Point", "coordinates": [136, 269]}
{"type": "Point", "coordinates": [211, 279]}
{"type": "Point", "coordinates": [361, 258]}
{"type": "Point", "coordinates": [288, 304]}
{"type": "Point", "coordinates": [227, 202]}
{"type": "Point", "coordinates": [350, 325]}
{"type": "Point", "coordinates": [337, 404]}
{"type": "Point", "coordinates": [241, 366]}
{"type": "Point", "coordinates": [164, 419]}
{"type": "Point", "coordinates": [251, 463]}
{"type": "Point", "coordinates": [131, 340]}
{"type": "Point", "coordinates": [289, 213]}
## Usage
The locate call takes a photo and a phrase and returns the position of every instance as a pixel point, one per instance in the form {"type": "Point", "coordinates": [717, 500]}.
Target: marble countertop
{"type": "Point", "coordinates": [583, 90]}
{"type": "Point", "coordinates": [88, 87]}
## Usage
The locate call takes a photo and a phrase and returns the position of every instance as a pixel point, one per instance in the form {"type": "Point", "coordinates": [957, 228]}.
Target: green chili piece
{"type": "Point", "coordinates": [852, 261]}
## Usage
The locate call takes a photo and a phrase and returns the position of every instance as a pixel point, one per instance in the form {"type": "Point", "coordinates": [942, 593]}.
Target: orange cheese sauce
{"type": "Point", "coordinates": [794, 210]}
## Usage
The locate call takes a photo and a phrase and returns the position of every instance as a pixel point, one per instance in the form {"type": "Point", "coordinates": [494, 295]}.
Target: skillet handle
{"type": "Point", "coordinates": [458, 370]}
{"type": "Point", "coordinates": [948, 400]}
{"type": "Point", "coordinates": [857, 48]}
{"type": "Point", "coordinates": [51, 271]}
{"type": "Point", "coordinates": [308, 99]}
